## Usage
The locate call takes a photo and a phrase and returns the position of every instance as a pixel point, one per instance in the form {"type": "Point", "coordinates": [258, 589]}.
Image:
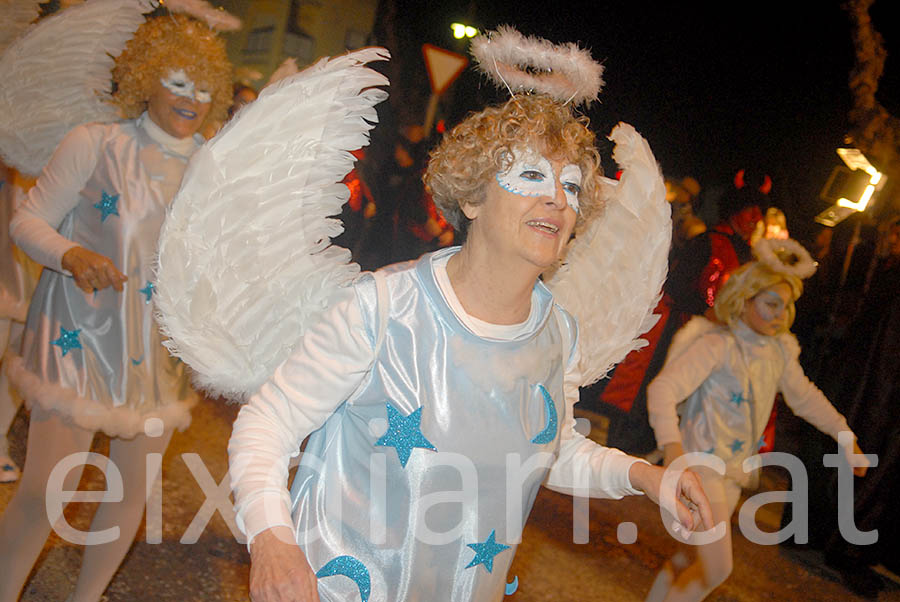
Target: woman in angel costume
{"type": "Point", "coordinates": [437, 394]}
{"type": "Point", "coordinates": [93, 358]}
{"type": "Point", "coordinates": [727, 374]}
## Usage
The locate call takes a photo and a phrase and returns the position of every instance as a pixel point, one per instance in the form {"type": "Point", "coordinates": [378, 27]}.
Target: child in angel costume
{"type": "Point", "coordinates": [93, 358]}
{"type": "Point", "coordinates": [436, 395]}
{"type": "Point", "coordinates": [725, 376]}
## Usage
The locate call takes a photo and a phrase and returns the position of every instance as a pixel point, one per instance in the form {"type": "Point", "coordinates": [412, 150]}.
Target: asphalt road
{"type": "Point", "coordinates": [549, 567]}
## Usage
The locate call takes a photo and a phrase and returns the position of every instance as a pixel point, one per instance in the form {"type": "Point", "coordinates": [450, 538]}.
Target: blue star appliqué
{"type": "Point", "coordinates": [736, 446]}
{"type": "Point", "coordinates": [147, 291]}
{"type": "Point", "coordinates": [761, 443]}
{"type": "Point", "coordinates": [485, 552]}
{"type": "Point", "coordinates": [68, 340]}
{"type": "Point", "coordinates": [108, 205]}
{"type": "Point", "coordinates": [737, 398]}
{"type": "Point", "coordinates": [403, 433]}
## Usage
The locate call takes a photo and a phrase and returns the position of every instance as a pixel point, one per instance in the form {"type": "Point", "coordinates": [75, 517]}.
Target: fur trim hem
{"type": "Point", "coordinates": [90, 414]}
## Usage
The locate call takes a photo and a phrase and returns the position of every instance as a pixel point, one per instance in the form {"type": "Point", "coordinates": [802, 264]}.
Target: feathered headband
{"type": "Point", "coordinates": [528, 64]}
{"type": "Point", "coordinates": [785, 256]}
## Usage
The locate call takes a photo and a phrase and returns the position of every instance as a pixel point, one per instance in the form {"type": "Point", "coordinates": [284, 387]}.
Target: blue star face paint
{"type": "Point", "coordinates": [532, 174]}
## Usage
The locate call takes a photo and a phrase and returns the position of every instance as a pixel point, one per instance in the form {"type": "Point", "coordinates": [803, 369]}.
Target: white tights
{"type": "Point", "coordinates": [24, 526]}
{"type": "Point", "coordinates": [10, 334]}
{"type": "Point", "coordinates": [712, 563]}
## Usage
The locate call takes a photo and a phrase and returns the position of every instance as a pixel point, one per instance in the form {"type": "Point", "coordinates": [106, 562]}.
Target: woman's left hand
{"type": "Point", "coordinates": [691, 503]}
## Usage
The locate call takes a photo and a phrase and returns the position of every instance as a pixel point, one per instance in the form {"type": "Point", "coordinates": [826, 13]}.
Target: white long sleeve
{"type": "Point", "coordinates": [677, 380]}
{"type": "Point", "coordinates": [583, 466]}
{"type": "Point", "coordinates": [56, 193]}
{"type": "Point", "coordinates": [808, 402]}
{"type": "Point", "coordinates": [326, 368]}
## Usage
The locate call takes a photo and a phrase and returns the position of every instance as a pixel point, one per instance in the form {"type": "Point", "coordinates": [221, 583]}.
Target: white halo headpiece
{"type": "Point", "coordinates": [525, 64]}
{"type": "Point", "coordinates": [785, 256]}
{"type": "Point", "coordinates": [216, 18]}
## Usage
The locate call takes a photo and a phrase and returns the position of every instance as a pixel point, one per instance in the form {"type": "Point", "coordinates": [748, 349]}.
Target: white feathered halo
{"type": "Point", "coordinates": [785, 256]}
{"type": "Point", "coordinates": [245, 260]}
{"type": "Point", "coordinates": [528, 64]}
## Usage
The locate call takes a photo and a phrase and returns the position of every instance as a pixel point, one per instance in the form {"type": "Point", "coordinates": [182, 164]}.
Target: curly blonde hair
{"type": "Point", "coordinates": [473, 152]}
{"type": "Point", "coordinates": [172, 42]}
{"type": "Point", "coordinates": [748, 281]}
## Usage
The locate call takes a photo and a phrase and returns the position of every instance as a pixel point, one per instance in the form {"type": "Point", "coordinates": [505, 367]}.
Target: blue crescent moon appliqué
{"type": "Point", "coordinates": [549, 433]}
{"type": "Point", "coordinates": [350, 567]}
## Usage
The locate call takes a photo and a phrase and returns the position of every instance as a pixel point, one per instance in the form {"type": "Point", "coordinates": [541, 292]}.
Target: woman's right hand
{"type": "Point", "coordinates": [671, 452]}
{"type": "Point", "coordinates": [279, 571]}
{"type": "Point", "coordinates": [92, 271]}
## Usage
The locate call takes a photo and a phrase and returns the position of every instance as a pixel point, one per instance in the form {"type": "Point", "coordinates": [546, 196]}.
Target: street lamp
{"type": "Point", "coordinates": [461, 31]}
{"type": "Point", "coordinates": [850, 188]}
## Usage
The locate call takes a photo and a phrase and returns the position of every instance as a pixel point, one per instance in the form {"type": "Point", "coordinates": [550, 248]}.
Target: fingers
{"type": "Point", "coordinates": [860, 471]}
{"type": "Point", "coordinates": [693, 491]}
{"type": "Point", "coordinates": [92, 271]}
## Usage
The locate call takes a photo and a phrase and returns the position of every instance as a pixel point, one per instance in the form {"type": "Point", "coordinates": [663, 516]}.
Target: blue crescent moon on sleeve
{"type": "Point", "coordinates": [549, 433]}
{"type": "Point", "coordinates": [348, 566]}
{"type": "Point", "coordinates": [512, 586]}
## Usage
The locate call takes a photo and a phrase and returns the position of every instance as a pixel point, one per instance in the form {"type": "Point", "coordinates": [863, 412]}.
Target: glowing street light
{"type": "Point", "coordinates": [856, 160]}
{"type": "Point", "coordinates": [461, 31]}
{"type": "Point", "coordinates": [850, 188]}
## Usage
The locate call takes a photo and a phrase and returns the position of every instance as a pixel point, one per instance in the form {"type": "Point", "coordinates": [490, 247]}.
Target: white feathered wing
{"type": "Point", "coordinates": [57, 76]}
{"type": "Point", "coordinates": [615, 269]}
{"type": "Point", "coordinates": [245, 260]}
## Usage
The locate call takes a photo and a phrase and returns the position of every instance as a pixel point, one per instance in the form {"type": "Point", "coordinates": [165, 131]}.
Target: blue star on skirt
{"type": "Point", "coordinates": [403, 433]}
{"type": "Point", "coordinates": [736, 446]}
{"type": "Point", "coordinates": [147, 291]}
{"type": "Point", "coordinates": [485, 552]}
{"type": "Point", "coordinates": [737, 398]}
{"type": "Point", "coordinates": [108, 205]}
{"type": "Point", "coordinates": [68, 340]}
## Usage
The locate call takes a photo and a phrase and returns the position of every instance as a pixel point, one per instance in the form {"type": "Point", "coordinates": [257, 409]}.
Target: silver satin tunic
{"type": "Point", "coordinates": [113, 372]}
{"type": "Point", "coordinates": [486, 408]}
{"type": "Point", "coordinates": [725, 416]}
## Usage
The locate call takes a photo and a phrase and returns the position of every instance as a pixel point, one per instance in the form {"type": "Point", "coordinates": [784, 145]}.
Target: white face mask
{"type": "Point", "coordinates": [178, 83]}
{"type": "Point", "coordinates": [531, 174]}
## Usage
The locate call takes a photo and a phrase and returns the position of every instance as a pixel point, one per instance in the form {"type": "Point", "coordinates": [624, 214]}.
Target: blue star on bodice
{"type": "Point", "coordinates": [738, 398]}
{"type": "Point", "coordinates": [404, 433]}
{"type": "Point", "coordinates": [736, 446]}
{"type": "Point", "coordinates": [148, 291]}
{"type": "Point", "coordinates": [485, 552]}
{"type": "Point", "coordinates": [68, 340]}
{"type": "Point", "coordinates": [761, 443]}
{"type": "Point", "coordinates": [108, 205]}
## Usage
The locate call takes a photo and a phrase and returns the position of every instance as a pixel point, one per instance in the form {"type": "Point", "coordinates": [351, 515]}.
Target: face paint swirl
{"type": "Point", "coordinates": [531, 174]}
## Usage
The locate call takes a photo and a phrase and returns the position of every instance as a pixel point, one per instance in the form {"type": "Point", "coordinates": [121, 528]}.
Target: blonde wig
{"type": "Point", "coordinates": [748, 281]}
{"type": "Point", "coordinates": [481, 146]}
{"type": "Point", "coordinates": [172, 42]}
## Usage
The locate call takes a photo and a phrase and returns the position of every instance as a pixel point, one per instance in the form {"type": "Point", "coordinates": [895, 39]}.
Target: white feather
{"type": "Point", "coordinates": [614, 270]}
{"type": "Point", "coordinates": [526, 63]}
{"type": "Point", "coordinates": [57, 76]}
{"type": "Point", "coordinates": [245, 261]}
{"type": "Point", "coordinates": [15, 15]}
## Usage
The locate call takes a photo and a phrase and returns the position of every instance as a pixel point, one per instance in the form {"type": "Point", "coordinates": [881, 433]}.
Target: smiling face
{"type": "Point", "coordinates": [178, 105]}
{"type": "Point", "coordinates": [529, 211]}
{"type": "Point", "coordinates": [767, 312]}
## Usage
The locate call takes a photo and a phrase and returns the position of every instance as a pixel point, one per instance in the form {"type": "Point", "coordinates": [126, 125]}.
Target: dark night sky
{"type": "Point", "coordinates": [712, 86]}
